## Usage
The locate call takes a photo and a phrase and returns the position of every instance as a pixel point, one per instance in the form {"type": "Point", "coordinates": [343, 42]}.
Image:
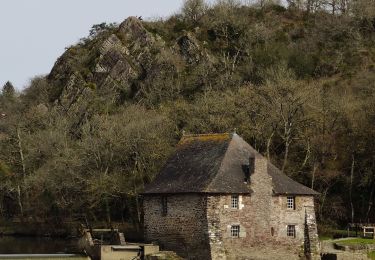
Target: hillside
{"type": "Point", "coordinates": [298, 86]}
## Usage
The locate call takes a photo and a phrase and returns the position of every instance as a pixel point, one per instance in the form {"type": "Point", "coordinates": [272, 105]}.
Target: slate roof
{"type": "Point", "coordinates": [216, 163]}
{"type": "Point", "coordinates": [283, 185]}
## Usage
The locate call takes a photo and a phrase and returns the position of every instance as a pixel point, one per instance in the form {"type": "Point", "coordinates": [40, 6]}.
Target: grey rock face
{"type": "Point", "coordinates": [121, 63]}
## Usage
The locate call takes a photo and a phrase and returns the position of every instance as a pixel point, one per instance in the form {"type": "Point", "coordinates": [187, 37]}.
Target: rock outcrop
{"type": "Point", "coordinates": [120, 63]}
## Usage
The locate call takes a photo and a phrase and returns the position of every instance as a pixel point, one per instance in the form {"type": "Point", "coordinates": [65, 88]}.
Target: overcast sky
{"type": "Point", "coordinates": [34, 33]}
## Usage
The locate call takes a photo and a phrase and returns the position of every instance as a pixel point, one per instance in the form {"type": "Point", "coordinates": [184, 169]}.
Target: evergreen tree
{"type": "Point", "coordinates": [8, 90]}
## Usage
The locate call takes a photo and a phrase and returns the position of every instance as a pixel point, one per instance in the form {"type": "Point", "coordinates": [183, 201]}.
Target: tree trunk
{"type": "Point", "coordinates": [307, 156]}
{"type": "Point", "coordinates": [107, 207]}
{"type": "Point", "coordinates": [313, 175]}
{"type": "Point", "coordinates": [19, 200]}
{"type": "Point", "coordinates": [286, 138]}
{"type": "Point", "coordinates": [234, 61]}
{"type": "Point", "coordinates": [351, 189]}
{"type": "Point", "coordinates": [21, 153]}
{"type": "Point", "coordinates": [108, 212]}
{"type": "Point", "coordinates": [308, 7]}
{"type": "Point", "coordinates": [285, 155]}
{"type": "Point", "coordinates": [324, 195]}
{"type": "Point", "coordinates": [1, 207]}
{"type": "Point", "coordinates": [370, 202]}
{"type": "Point", "coordinates": [333, 7]}
{"type": "Point", "coordinates": [137, 174]}
{"type": "Point", "coordinates": [19, 193]}
{"type": "Point", "coordinates": [269, 141]}
{"type": "Point", "coordinates": [137, 207]}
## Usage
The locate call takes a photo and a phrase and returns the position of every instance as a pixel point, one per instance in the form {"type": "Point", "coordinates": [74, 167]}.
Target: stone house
{"type": "Point", "coordinates": [218, 198]}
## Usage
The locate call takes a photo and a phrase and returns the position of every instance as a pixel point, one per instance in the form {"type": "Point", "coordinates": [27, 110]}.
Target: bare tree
{"type": "Point", "coordinates": [364, 9]}
{"type": "Point", "coordinates": [282, 100]}
{"type": "Point", "coordinates": [194, 10]}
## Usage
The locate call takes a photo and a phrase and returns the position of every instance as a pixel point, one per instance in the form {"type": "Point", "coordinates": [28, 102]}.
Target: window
{"type": "Point", "coordinates": [234, 202]}
{"type": "Point", "coordinates": [235, 231]}
{"type": "Point", "coordinates": [164, 206]}
{"type": "Point", "coordinates": [290, 202]}
{"type": "Point", "coordinates": [291, 231]}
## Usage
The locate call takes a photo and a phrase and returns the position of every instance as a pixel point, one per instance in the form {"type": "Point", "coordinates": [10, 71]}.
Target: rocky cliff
{"type": "Point", "coordinates": [119, 64]}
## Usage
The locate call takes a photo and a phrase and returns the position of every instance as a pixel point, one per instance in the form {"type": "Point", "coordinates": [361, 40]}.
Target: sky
{"type": "Point", "coordinates": [34, 33]}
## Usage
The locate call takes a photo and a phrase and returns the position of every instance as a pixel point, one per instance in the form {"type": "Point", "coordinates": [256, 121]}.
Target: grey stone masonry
{"type": "Point", "coordinates": [182, 229]}
{"type": "Point", "coordinates": [217, 198]}
{"type": "Point", "coordinates": [312, 244]}
{"type": "Point", "coordinates": [261, 203]}
{"type": "Point", "coordinates": [199, 226]}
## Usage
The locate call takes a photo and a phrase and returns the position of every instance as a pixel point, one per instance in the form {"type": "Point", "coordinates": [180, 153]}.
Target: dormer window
{"type": "Point", "coordinates": [291, 202]}
{"type": "Point", "coordinates": [234, 201]}
{"type": "Point", "coordinates": [249, 169]}
{"type": "Point", "coordinates": [251, 165]}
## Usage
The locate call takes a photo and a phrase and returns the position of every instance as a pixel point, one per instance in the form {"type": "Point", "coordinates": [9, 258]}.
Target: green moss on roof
{"type": "Point", "coordinates": [205, 138]}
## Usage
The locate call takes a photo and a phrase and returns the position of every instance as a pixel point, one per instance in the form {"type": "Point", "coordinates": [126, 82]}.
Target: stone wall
{"type": "Point", "coordinates": [199, 226]}
{"type": "Point", "coordinates": [312, 231]}
{"type": "Point", "coordinates": [253, 216]}
{"type": "Point", "coordinates": [300, 216]}
{"type": "Point", "coordinates": [263, 220]}
{"type": "Point", "coordinates": [183, 229]}
{"type": "Point", "coordinates": [221, 217]}
{"type": "Point", "coordinates": [261, 202]}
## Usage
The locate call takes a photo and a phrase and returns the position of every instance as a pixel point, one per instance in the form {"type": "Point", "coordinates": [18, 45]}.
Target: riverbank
{"type": "Point", "coordinates": [62, 230]}
{"type": "Point", "coordinates": [37, 245]}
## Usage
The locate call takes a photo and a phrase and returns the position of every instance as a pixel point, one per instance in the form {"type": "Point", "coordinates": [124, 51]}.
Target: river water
{"type": "Point", "coordinates": [36, 245]}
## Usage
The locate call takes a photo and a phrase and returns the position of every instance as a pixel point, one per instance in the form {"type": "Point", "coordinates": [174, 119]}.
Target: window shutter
{"type": "Point", "coordinates": [227, 234]}
{"type": "Point", "coordinates": [240, 204]}
{"type": "Point", "coordinates": [242, 231]}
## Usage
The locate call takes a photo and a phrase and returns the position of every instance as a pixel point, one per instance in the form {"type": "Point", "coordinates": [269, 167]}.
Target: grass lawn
{"type": "Point", "coordinates": [363, 241]}
{"type": "Point", "coordinates": [371, 255]}
{"type": "Point", "coordinates": [336, 233]}
{"type": "Point", "coordinates": [323, 237]}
